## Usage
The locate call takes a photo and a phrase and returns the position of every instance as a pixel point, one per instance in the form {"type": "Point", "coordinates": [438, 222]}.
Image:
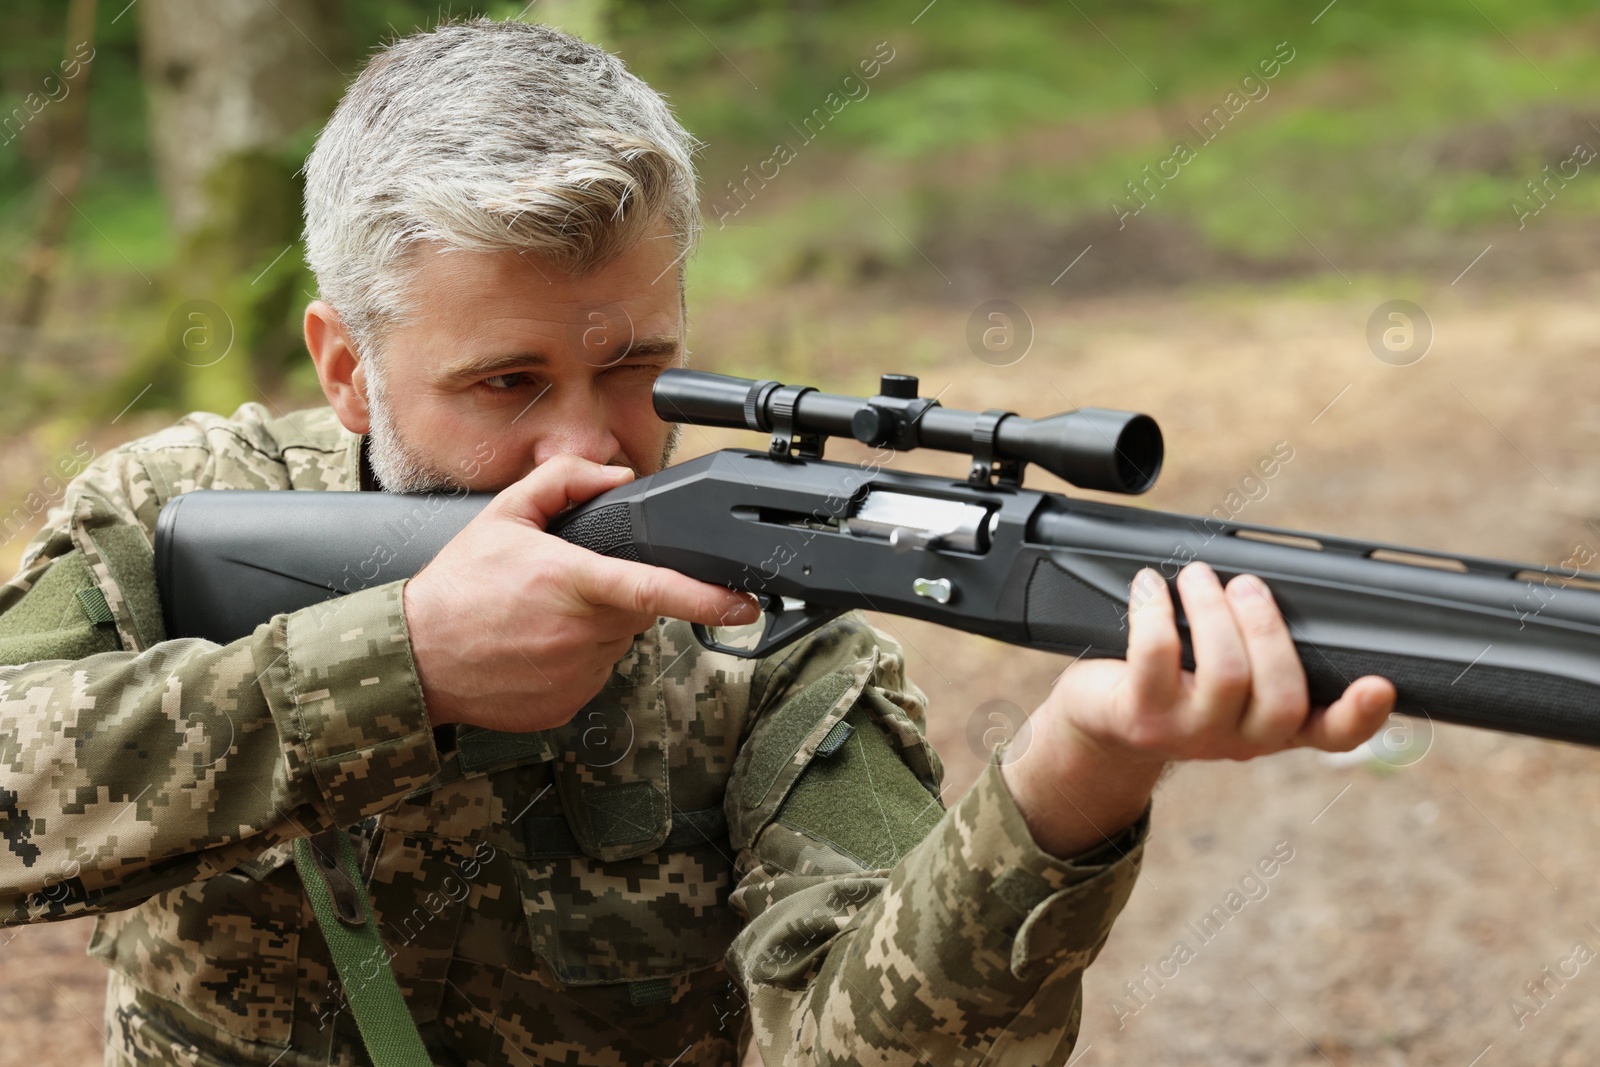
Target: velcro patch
{"type": "Point", "coordinates": [790, 726]}
{"type": "Point", "coordinates": [93, 602]}
{"type": "Point", "coordinates": [864, 801]}
{"type": "Point", "coordinates": [1022, 890]}
{"type": "Point", "coordinates": [649, 991]}
{"type": "Point", "coordinates": [622, 814]}
{"type": "Point", "coordinates": [835, 739]}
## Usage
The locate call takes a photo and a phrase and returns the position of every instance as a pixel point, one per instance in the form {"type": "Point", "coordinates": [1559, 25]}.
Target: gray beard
{"type": "Point", "coordinates": [399, 468]}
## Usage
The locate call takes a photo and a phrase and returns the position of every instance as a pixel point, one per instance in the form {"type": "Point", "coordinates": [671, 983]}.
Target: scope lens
{"type": "Point", "coordinates": [1139, 454]}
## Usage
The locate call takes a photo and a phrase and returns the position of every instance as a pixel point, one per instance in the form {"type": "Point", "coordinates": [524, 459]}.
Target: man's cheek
{"type": "Point", "coordinates": [481, 473]}
{"type": "Point", "coordinates": [473, 466]}
{"type": "Point", "coordinates": [651, 449]}
{"type": "Point", "coordinates": [640, 434]}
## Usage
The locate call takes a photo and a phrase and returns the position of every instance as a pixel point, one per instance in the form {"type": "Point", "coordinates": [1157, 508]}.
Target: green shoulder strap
{"type": "Point", "coordinates": [327, 866]}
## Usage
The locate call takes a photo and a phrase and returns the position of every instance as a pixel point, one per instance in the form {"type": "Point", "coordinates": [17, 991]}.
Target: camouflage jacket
{"type": "Point", "coordinates": [702, 857]}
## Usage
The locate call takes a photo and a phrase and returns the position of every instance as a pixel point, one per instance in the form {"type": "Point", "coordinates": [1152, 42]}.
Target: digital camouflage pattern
{"type": "Point", "coordinates": [714, 850]}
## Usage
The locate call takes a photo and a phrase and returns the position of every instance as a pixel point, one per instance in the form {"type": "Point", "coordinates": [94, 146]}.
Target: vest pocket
{"type": "Point", "coordinates": [225, 948]}
{"type": "Point", "coordinates": [420, 885]}
{"type": "Point", "coordinates": [658, 915]}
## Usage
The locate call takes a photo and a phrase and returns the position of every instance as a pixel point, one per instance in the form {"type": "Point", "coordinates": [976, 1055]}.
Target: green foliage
{"type": "Point", "coordinates": [1398, 123]}
{"type": "Point", "coordinates": [941, 109]}
{"type": "Point", "coordinates": [1358, 159]}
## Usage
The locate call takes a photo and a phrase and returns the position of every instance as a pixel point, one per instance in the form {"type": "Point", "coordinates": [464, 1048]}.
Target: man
{"type": "Point", "coordinates": [585, 840]}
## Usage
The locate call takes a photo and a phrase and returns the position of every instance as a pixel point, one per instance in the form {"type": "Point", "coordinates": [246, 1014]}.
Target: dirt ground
{"type": "Point", "coordinates": [1416, 902]}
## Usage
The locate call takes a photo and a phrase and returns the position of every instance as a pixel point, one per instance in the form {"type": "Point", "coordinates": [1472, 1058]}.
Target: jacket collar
{"type": "Point", "coordinates": [319, 453]}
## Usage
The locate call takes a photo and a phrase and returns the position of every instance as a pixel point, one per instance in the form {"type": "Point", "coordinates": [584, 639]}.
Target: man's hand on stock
{"type": "Point", "coordinates": [515, 629]}
{"type": "Point", "coordinates": [1108, 728]}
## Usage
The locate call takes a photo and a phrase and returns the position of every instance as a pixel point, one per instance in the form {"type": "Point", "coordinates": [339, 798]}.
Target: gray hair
{"type": "Point", "coordinates": [488, 136]}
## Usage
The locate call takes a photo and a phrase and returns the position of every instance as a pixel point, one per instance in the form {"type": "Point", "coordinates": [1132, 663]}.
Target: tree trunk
{"type": "Point", "coordinates": [227, 79]}
{"type": "Point", "coordinates": [66, 171]}
{"type": "Point", "coordinates": [235, 90]}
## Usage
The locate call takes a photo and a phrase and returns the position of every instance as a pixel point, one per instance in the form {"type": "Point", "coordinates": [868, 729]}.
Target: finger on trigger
{"type": "Point", "coordinates": [745, 608]}
{"type": "Point", "coordinates": [639, 587]}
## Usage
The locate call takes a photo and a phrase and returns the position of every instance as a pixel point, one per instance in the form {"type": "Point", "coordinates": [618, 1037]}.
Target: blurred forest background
{"type": "Point", "coordinates": [1337, 156]}
{"type": "Point", "coordinates": [981, 160]}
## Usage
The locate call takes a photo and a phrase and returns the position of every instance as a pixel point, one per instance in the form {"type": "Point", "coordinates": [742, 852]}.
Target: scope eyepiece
{"type": "Point", "coordinates": [1091, 448]}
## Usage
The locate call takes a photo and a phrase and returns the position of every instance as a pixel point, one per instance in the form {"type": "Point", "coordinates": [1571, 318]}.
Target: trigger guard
{"type": "Point", "coordinates": [782, 628]}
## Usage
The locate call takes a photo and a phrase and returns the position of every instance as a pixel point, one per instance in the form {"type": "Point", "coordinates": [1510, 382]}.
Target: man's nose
{"type": "Point", "coordinates": [573, 421]}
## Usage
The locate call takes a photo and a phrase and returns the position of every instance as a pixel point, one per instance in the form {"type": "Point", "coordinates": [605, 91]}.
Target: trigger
{"type": "Point", "coordinates": [787, 620]}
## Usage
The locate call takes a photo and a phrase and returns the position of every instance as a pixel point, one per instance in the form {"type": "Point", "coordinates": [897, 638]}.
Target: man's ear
{"type": "Point", "coordinates": [339, 369]}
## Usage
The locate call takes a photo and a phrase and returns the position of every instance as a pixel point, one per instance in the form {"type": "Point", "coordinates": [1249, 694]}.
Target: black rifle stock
{"type": "Point", "coordinates": [1465, 640]}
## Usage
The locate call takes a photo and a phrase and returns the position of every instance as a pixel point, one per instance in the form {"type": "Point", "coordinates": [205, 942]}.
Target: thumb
{"type": "Point", "coordinates": [546, 490]}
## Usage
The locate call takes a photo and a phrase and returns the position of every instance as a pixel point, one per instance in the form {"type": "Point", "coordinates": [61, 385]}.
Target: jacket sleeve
{"type": "Point", "coordinates": [131, 764]}
{"type": "Point", "coordinates": [880, 928]}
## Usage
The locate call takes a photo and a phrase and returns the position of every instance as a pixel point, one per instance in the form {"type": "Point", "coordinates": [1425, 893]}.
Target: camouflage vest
{"type": "Point", "coordinates": [590, 865]}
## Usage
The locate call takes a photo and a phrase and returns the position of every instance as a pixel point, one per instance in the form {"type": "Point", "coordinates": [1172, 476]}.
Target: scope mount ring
{"type": "Point", "coordinates": [986, 468]}
{"type": "Point", "coordinates": [787, 442]}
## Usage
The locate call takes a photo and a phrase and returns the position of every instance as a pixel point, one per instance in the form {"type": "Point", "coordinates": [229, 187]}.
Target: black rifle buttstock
{"type": "Point", "coordinates": [229, 560]}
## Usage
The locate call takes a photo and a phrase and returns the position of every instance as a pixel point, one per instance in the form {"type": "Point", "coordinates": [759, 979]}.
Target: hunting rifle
{"type": "Point", "coordinates": [812, 538]}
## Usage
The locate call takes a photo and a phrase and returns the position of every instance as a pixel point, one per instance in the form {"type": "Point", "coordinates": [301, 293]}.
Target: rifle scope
{"type": "Point", "coordinates": [1091, 448]}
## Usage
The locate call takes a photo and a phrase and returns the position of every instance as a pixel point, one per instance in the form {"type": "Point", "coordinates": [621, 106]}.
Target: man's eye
{"type": "Point", "coordinates": [506, 381]}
